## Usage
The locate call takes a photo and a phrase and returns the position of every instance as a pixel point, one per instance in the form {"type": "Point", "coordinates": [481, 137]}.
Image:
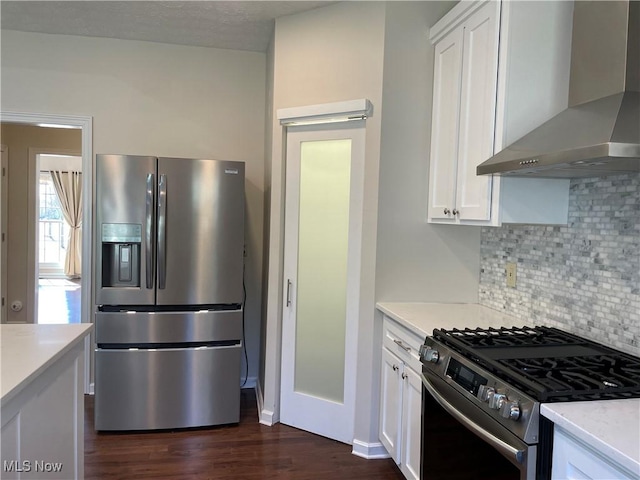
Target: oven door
{"type": "Point", "coordinates": [460, 441]}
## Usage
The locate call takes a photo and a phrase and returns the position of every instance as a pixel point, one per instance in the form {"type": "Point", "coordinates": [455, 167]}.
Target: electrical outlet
{"type": "Point", "coordinates": [511, 275]}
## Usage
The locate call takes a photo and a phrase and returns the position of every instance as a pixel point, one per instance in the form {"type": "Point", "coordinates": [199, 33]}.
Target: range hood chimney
{"type": "Point", "coordinates": [599, 134]}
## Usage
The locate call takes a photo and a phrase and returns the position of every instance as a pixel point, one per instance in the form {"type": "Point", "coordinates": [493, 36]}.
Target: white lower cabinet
{"type": "Point", "coordinates": [411, 424]}
{"type": "Point", "coordinates": [401, 398]}
{"type": "Point", "coordinates": [573, 460]}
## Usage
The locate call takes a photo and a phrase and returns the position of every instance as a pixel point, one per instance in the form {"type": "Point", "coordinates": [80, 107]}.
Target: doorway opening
{"type": "Point", "coordinates": [29, 300]}
{"type": "Point", "coordinates": [59, 226]}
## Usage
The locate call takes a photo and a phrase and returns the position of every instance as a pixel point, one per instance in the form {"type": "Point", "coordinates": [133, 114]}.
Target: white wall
{"type": "Point", "coordinates": [326, 55]}
{"type": "Point", "coordinates": [269, 115]}
{"type": "Point", "coordinates": [153, 99]}
{"type": "Point", "coordinates": [416, 261]}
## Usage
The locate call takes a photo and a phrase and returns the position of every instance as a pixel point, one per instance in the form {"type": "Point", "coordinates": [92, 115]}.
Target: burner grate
{"type": "Point", "coordinates": [593, 375]}
{"type": "Point", "coordinates": [512, 337]}
{"type": "Point", "coordinates": [547, 363]}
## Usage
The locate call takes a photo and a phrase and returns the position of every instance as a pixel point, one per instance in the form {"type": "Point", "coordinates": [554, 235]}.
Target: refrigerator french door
{"type": "Point", "coordinates": [168, 275]}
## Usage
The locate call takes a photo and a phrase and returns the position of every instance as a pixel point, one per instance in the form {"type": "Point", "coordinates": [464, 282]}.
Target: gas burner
{"type": "Point", "coordinates": [547, 363]}
{"type": "Point", "coordinates": [591, 376]}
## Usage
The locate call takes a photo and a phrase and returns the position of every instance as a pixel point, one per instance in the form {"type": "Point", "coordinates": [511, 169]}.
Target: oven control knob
{"type": "Point", "coordinates": [431, 355]}
{"type": "Point", "coordinates": [496, 400]}
{"type": "Point", "coordinates": [510, 410]}
{"type": "Point", "coordinates": [484, 392]}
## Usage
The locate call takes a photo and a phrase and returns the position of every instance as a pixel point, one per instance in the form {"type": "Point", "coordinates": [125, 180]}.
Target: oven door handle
{"type": "Point", "coordinates": [503, 447]}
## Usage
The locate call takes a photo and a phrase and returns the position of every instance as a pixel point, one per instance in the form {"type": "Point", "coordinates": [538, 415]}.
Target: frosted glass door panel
{"type": "Point", "coordinates": [321, 297]}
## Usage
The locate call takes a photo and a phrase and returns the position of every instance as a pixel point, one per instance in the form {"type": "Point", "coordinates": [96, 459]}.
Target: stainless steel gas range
{"type": "Point", "coordinates": [482, 390]}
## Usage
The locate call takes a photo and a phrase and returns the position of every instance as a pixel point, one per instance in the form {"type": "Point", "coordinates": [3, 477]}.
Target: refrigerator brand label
{"type": "Point", "coordinates": [231, 171]}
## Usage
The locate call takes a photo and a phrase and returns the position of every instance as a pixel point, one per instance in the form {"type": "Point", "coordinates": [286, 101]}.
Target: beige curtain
{"type": "Point", "coordinates": [68, 186]}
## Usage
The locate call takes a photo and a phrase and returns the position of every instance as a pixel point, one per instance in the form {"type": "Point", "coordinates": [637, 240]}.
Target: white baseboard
{"type": "Point", "coordinates": [369, 451]}
{"type": "Point", "coordinates": [265, 416]}
{"type": "Point", "coordinates": [92, 389]}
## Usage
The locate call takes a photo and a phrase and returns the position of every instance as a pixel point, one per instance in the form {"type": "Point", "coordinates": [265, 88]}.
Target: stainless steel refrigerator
{"type": "Point", "coordinates": [168, 275]}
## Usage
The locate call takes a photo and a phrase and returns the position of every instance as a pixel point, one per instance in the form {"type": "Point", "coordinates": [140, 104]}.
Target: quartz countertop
{"type": "Point", "coordinates": [612, 427]}
{"type": "Point", "coordinates": [26, 350]}
{"type": "Point", "coordinates": [422, 318]}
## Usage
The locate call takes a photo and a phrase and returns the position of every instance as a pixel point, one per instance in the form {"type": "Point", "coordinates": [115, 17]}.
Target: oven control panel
{"type": "Point", "coordinates": [465, 377]}
{"type": "Point", "coordinates": [492, 395]}
{"type": "Point", "coordinates": [476, 385]}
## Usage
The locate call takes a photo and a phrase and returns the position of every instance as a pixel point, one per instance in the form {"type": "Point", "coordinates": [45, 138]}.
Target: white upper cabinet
{"type": "Point", "coordinates": [444, 127]}
{"type": "Point", "coordinates": [501, 69]}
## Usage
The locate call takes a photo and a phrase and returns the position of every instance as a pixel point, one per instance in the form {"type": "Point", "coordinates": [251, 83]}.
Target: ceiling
{"type": "Point", "coordinates": [238, 25]}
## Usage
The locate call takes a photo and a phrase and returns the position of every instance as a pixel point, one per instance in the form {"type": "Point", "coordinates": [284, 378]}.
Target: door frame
{"type": "Point", "coordinates": [85, 123]}
{"type": "Point", "coordinates": [4, 192]}
{"type": "Point", "coordinates": [354, 256]}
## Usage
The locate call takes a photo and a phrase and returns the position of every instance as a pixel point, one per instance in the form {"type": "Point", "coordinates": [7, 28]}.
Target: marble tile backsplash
{"type": "Point", "coordinates": [583, 277]}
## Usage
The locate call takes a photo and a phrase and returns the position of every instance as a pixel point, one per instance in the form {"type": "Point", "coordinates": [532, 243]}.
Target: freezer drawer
{"type": "Point", "coordinates": [167, 388]}
{"type": "Point", "coordinates": [141, 328]}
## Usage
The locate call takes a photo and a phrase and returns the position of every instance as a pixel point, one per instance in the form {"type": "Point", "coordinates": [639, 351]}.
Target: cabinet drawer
{"type": "Point", "coordinates": [402, 342]}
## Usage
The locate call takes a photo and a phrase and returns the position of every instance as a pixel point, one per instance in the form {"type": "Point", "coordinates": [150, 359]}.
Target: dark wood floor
{"type": "Point", "coordinates": [245, 451]}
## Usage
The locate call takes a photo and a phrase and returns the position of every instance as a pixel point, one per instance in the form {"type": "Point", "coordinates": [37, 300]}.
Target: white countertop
{"type": "Point", "coordinates": [26, 350]}
{"type": "Point", "coordinates": [611, 427]}
{"type": "Point", "coordinates": [422, 318]}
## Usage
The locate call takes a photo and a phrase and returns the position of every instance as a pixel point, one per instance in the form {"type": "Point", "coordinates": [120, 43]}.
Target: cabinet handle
{"type": "Point", "coordinates": [395, 368]}
{"type": "Point", "coordinates": [456, 211]}
{"type": "Point", "coordinates": [402, 346]}
{"type": "Point", "coordinates": [404, 375]}
{"type": "Point", "coordinates": [447, 211]}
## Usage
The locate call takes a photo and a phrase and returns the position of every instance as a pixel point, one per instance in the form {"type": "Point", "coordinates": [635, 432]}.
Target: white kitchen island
{"type": "Point", "coordinates": [42, 409]}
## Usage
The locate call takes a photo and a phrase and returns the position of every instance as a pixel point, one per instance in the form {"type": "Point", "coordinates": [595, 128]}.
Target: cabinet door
{"type": "Point", "coordinates": [391, 404]}
{"type": "Point", "coordinates": [411, 424]}
{"type": "Point", "coordinates": [477, 111]}
{"type": "Point", "coordinates": [574, 461]}
{"type": "Point", "coordinates": [444, 126]}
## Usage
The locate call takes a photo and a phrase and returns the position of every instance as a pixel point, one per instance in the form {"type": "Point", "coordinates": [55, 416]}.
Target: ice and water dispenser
{"type": "Point", "coordinates": [121, 243]}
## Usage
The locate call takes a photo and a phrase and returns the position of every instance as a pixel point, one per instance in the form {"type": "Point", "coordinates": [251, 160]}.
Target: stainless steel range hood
{"type": "Point", "coordinates": [599, 134]}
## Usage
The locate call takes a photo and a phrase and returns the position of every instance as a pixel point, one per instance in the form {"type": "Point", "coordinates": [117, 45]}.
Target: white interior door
{"type": "Point", "coordinates": [323, 224]}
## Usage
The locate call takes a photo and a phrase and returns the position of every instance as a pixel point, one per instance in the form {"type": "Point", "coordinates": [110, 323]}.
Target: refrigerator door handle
{"type": "Point", "coordinates": [149, 233]}
{"type": "Point", "coordinates": [162, 232]}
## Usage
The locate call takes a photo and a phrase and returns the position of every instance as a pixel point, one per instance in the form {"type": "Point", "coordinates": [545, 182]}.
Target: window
{"type": "Point", "coordinates": [53, 230]}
